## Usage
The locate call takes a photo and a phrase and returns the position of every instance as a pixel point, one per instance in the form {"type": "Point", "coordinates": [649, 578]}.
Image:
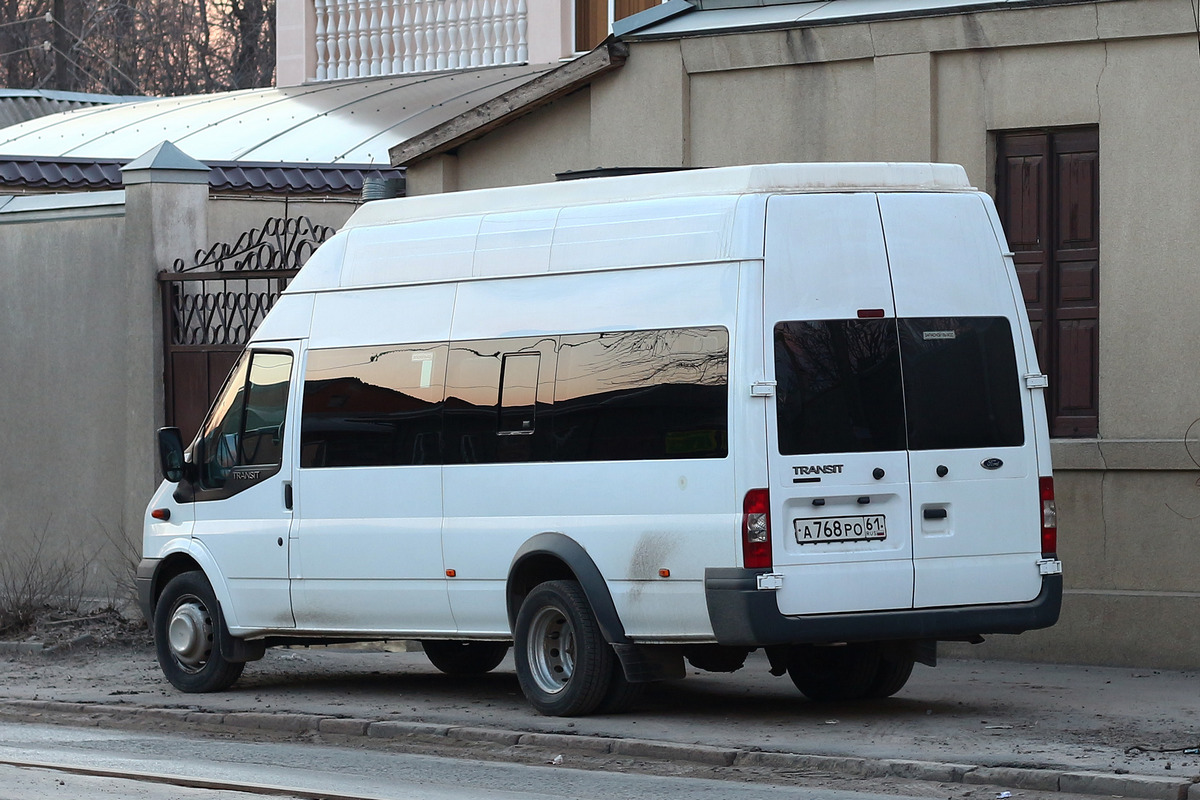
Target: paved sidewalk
{"type": "Point", "coordinates": [1087, 730]}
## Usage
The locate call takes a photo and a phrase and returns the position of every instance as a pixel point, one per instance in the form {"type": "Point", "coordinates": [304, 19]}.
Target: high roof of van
{"type": "Point", "coordinates": [654, 219]}
{"type": "Point", "coordinates": [756, 179]}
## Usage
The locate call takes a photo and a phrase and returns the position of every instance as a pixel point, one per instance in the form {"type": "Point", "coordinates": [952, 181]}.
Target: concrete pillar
{"type": "Point", "coordinates": [166, 199]}
{"type": "Point", "coordinates": [295, 42]}
{"type": "Point", "coordinates": [432, 175]}
{"type": "Point", "coordinates": [550, 31]}
{"type": "Point", "coordinates": [641, 114]}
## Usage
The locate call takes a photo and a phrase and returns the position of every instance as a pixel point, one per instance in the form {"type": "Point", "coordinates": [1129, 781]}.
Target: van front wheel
{"type": "Point", "coordinates": [187, 628]}
{"type": "Point", "coordinates": [564, 665]}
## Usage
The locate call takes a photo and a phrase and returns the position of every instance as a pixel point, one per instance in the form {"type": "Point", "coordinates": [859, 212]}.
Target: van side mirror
{"type": "Point", "coordinates": [170, 454]}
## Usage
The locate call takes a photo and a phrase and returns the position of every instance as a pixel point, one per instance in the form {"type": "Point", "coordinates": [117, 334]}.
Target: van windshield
{"type": "Point", "coordinates": [874, 385]}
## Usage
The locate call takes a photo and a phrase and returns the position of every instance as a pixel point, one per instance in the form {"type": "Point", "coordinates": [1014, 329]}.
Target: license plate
{"type": "Point", "coordinates": [840, 529]}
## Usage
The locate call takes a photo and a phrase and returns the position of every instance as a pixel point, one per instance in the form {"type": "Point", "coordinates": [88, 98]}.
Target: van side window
{"type": "Point", "coordinates": [642, 395]}
{"type": "Point", "coordinates": [373, 406]}
{"type": "Point", "coordinates": [838, 387]}
{"type": "Point", "coordinates": [498, 400]}
{"type": "Point", "coordinates": [473, 391]}
{"type": "Point", "coordinates": [245, 426]}
{"type": "Point", "coordinates": [518, 393]}
{"type": "Point", "coordinates": [961, 385]}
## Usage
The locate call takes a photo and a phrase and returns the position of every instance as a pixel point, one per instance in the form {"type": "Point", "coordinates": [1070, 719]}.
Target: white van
{"type": "Point", "coordinates": [623, 422]}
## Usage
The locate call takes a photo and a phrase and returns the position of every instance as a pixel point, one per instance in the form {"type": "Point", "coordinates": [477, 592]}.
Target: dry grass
{"type": "Point", "coordinates": [42, 590]}
{"type": "Point", "coordinates": [100, 628]}
{"type": "Point", "coordinates": [35, 579]}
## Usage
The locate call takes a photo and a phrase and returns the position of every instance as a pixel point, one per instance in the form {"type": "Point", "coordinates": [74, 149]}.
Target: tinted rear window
{"type": "Point", "coordinates": [838, 387]}
{"type": "Point", "coordinates": [861, 385]}
{"type": "Point", "coordinates": [961, 386]}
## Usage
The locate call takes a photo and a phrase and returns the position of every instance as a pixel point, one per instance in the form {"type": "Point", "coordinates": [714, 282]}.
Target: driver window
{"type": "Point", "coordinates": [245, 426]}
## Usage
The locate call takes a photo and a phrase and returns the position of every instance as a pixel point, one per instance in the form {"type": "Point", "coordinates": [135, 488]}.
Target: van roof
{"type": "Point", "coordinates": [756, 179]}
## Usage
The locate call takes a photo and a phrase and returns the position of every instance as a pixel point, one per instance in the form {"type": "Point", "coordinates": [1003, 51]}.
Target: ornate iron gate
{"type": "Point", "coordinates": [212, 306]}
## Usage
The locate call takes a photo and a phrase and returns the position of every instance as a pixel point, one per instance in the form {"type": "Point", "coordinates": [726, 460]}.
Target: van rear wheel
{"type": "Point", "coordinates": [188, 625]}
{"type": "Point", "coordinates": [621, 694]}
{"type": "Point", "coordinates": [464, 658]}
{"type": "Point", "coordinates": [893, 673]}
{"type": "Point", "coordinates": [830, 674]}
{"type": "Point", "coordinates": [564, 666]}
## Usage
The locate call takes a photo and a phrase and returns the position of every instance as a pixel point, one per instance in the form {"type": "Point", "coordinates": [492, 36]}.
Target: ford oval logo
{"type": "Point", "coordinates": [991, 463]}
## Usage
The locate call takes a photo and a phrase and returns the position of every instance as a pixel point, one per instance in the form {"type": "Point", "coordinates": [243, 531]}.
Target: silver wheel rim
{"type": "Point", "coordinates": [551, 649]}
{"type": "Point", "coordinates": [189, 634]}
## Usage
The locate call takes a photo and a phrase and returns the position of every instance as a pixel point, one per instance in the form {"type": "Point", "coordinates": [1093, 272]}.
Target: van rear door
{"type": "Point", "coordinates": [972, 455]}
{"type": "Point", "coordinates": [838, 470]}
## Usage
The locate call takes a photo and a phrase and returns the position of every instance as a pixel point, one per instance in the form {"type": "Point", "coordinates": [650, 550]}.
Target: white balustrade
{"type": "Point", "coordinates": [321, 38]}
{"type": "Point", "coordinates": [358, 38]}
{"type": "Point", "coordinates": [351, 38]}
{"type": "Point", "coordinates": [397, 12]}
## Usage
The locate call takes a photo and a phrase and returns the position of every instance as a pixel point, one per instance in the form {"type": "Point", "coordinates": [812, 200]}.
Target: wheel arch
{"type": "Point", "coordinates": [556, 556]}
{"type": "Point", "coordinates": [196, 558]}
{"type": "Point", "coordinates": [171, 565]}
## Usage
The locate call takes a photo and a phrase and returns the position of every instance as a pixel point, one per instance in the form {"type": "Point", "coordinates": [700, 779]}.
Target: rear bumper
{"type": "Point", "coordinates": [741, 614]}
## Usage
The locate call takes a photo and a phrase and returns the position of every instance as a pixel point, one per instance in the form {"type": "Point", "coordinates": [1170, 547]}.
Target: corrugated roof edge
{"type": "Point", "coordinates": [511, 105]}
{"type": "Point", "coordinates": [961, 7]}
{"type": "Point", "coordinates": [35, 172]}
{"type": "Point", "coordinates": [753, 179]}
{"type": "Point", "coordinates": [73, 97]}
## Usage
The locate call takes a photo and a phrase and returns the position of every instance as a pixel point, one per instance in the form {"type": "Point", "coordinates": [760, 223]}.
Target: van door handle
{"type": "Point", "coordinates": [287, 495]}
{"type": "Point", "coordinates": [935, 513]}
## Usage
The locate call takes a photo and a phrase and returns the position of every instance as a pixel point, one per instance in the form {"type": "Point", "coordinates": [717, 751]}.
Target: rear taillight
{"type": "Point", "coordinates": [1049, 517]}
{"type": "Point", "coordinates": [756, 530]}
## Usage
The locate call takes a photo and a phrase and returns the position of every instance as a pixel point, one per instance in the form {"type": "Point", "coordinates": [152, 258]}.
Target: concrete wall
{"type": "Point", "coordinates": [81, 393]}
{"type": "Point", "coordinates": [228, 217]}
{"type": "Point", "coordinates": [62, 329]}
{"type": "Point", "coordinates": [938, 88]}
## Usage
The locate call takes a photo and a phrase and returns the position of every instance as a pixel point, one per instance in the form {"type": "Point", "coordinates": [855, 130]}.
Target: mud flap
{"type": "Point", "coordinates": [649, 662]}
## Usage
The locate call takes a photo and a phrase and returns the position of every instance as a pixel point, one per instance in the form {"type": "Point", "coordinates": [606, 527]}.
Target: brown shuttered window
{"type": "Point", "coordinates": [1048, 196]}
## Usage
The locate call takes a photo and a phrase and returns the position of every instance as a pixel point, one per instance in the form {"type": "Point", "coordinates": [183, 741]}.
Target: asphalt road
{"type": "Point", "coordinates": [317, 770]}
{"type": "Point", "coordinates": [993, 714]}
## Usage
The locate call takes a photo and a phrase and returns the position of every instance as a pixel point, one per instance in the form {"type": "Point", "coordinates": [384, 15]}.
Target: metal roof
{"type": "Point", "coordinates": [717, 16]}
{"type": "Point", "coordinates": [335, 123]}
{"type": "Point", "coordinates": [19, 105]}
{"type": "Point", "coordinates": [233, 176]}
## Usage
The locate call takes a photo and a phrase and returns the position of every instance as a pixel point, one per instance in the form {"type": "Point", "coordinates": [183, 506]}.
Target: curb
{"type": "Point", "coordinates": [1144, 787]}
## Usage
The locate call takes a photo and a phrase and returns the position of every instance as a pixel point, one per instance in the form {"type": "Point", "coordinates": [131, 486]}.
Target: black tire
{"type": "Point", "coordinates": [564, 666]}
{"type": "Point", "coordinates": [831, 674]}
{"type": "Point", "coordinates": [464, 658]}
{"type": "Point", "coordinates": [192, 660]}
{"type": "Point", "coordinates": [893, 672]}
{"type": "Point", "coordinates": [621, 694]}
